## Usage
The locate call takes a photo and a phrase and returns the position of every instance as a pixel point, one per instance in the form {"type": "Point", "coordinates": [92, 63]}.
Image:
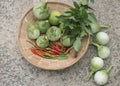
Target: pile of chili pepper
{"type": "Point", "coordinates": [53, 51]}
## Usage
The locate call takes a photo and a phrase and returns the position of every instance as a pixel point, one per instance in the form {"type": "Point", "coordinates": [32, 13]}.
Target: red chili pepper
{"type": "Point", "coordinates": [56, 48]}
{"type": "Point", "coordinates": [42, 49]}
{"type": "Point", "coordinates": [36, 52]}
{"type": "Point", "coordinates": [65, 49]}
{"type": "Point", "coordinates": [59, 44]}
{"type": "Point", "coordinates": [55, 52]}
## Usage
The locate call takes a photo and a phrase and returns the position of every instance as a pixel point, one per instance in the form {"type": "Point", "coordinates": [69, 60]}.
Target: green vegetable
{"type": "Point", "coordinates": [66, 41]}
{"type": "Point", "coordinates": [42, 41]}
{"type": "Point", "coordinates": [43, 26]}
{"type": "Point", "coordinates": [33, 31]}
{"type": "Point", "coordinates": [41, 11]}
{"type": "Point", "coordinates": [62, 56]}
{"type": "Point", "coordinates": [77, 44]}
{"type": "Point", "coordinates": [36, 24]}
{"type": "Point", "coordinates": [102, 38]}
{"type": "Point", "coordinates": [53, 17]}
{"type": "Point", "coordinates": [53, 33]}
{"type": "Point", "coordinates": [61, 26]}
{"type": "Point", "coordinates": [95, 65]}
{"type": "Point", "coordinates": [103, 51]}
{"type": "Point", "coordinates": [101, 77]}
{"type": "Point", "coordinates": [76, 21]}
{"type": "Point", "coordinates": [95, 27]}
{"type": "Point", "coordinates": [79, 20]}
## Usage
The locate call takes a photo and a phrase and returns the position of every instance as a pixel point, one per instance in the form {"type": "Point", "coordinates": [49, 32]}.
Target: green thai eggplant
{"type": "Point", "coordinates": [66, 41]}
{"type": "Point", "coordinates": [53, 33]}
{"type": "Point", "coordinates": [41, 11]}
{"type": "Point", "coordinates": [42, 41]}
{"type": "Point", "coordinates": [33, 31]}
{"type": "Point", "coordinates": [43, 26]}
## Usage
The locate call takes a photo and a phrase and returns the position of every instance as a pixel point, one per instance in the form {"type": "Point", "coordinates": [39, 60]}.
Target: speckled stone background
{"type": "Point", "coordinates": [16, 71]}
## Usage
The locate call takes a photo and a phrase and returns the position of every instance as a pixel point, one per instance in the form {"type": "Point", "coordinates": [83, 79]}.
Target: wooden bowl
{"type": "Point", "coordinates": [47, 64]}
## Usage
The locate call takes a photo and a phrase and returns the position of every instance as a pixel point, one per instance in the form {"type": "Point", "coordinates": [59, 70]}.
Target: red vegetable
{"type": "Point", "coordinates": [55, 47]}
{"type": "Point", "coordinates": [36, 52]}
{"type": "Point", "coordinates": [59, 44]}
{"type": "Point", "coordinates": [55, 52]}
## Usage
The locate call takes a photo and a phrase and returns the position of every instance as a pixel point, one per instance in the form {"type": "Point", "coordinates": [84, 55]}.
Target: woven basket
{"type": "Point", "coordinates": [47, 64]}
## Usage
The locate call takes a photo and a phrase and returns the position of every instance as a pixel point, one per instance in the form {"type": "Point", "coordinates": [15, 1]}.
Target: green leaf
{"type": "Point", "coordinates": [83, 33]}
{"type": "Point", "coordinates": [78, 19]}
{"type": "Point", "coordinates": [84, 2]}
{"type": "Point", "coordinates": [92, 1]}
{"type": "Point", "coordinates": [87, 22]}
{"type": "Point", "coordinates": [71, 27]}
{"type": "Point", "coordinates": [76, 5]}
{"type": "Point", "coordinates": [74, 11]}
{"type": "Point", "coordinates": [88, 7]}
{"type": "Point", "coordinates": [88, 31]}
{"type": "Point", "coordinates": [92, 17]}
{"type": "Point", "coordinates": [77, 44]}
{"type": "Point", "coordinates": [62, 56]}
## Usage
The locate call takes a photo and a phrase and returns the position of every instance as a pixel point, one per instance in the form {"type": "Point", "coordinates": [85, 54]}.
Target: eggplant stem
{"type": "Point", "coordinates": [95, 44]}
{"type": "Point", "coordinates": [109, 68]}
{"type": "Point", "coordinates": [90, 75]}
{"type": "Point", "coordinates": [104, 26]}
{"type": "Point", "coordinates": [27, 22]}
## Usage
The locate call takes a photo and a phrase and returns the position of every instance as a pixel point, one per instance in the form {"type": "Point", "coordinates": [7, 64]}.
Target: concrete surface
{"type": "Point", "coordinates": [16, 71]}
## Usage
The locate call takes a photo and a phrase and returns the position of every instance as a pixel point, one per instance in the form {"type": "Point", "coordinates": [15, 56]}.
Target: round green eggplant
{"type": "Point", "coordinates": [43, 26]}
{"type": "Point", "coordinates": [42, 41]}
{"type": "Point", "coordinates": [66, 41]}
{"type": "Point", "coordinates": [41, 11]}
{"type": "Point", "coordinates": [53, 17]}
{"type": "Point", "coordinates": [54, 33]}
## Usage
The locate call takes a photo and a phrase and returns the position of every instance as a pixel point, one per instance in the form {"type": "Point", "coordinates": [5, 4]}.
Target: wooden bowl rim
{"type": "Point", "coordinates": [18, 37]}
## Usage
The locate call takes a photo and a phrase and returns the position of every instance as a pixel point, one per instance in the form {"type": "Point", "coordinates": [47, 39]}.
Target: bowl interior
{"type": "Point", "coordinates": [48, 64]}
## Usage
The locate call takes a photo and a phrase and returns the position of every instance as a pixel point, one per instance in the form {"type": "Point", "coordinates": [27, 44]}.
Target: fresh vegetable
{"type": "Point", "coordinates": [58, 48]}
{"type": "Point", "coordinates": [50, 55]}
{"type": "Point", "coordinates": [53, 17]}
{"type": "Point", "coordinates": [103, 51]}
{"type": "Point", "coordinates": [62, 56]}
{"type": "Point", "coordinates": [33, 31]}
{"type": "Point", "coordinates": [102, 38]}
{"type": "Point", "coordinates": [79, 20]}
{"type": "Point", "coordinates": [36, 24]}
{"type": "Point", "coordinates": [61, 26]}
{"type": "Point", "coordinates": [42, 41]}
{"type": "Point", "coordinates": [71, 27]}
{"type": "Point", "coordinates": [43, 26]}
{"type": "Point", "coordinates": [41, 11]}
{"type": "Point", "coordinates": [36, 52]}
{"type": "Point", "coordinates": [95, 26]}
{"type": "Point", "coordinates": [101, 77]}
{"type": "Point", "coordinates": [76, 21]}
{"type": "Point", "coordinates": [66, 41]}
{"type": "Point", "coordinates": [55, 47]}
{"type": "Point", "coordinates": [95, 65]}
{"type": "Point", "coordinates": [77, 44]}
{"type": "Point", "coordinates": [53, 33]}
